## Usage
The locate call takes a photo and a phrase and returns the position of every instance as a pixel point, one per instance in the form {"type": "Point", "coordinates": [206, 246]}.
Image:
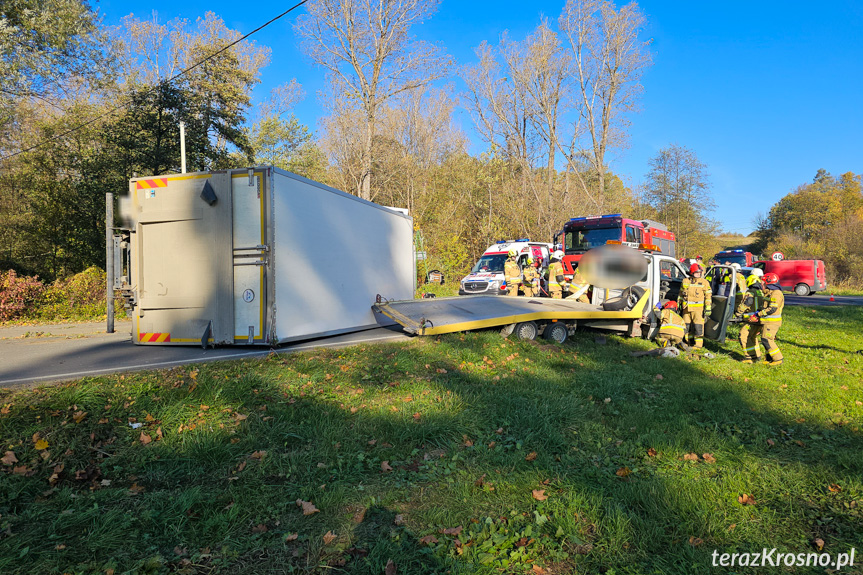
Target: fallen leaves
{"type": "Point", "coordinates": [391, 568]}
{"type": "Point", "coordinates": [834, 488]}
{"type": "Point", "coordinates": [79, 416]}
{"type": "Point", "coordinates": [145, 439]}
{"type": "Point", "coordinates": [819, 543]}
{"type": "Point", "coordinates": [259, 455]}
{"type": "Point", "coordinates": [291, 537]}
{"type": "Point", "coordinates": [260, 528]}
{"type": "Point", "coordinates": [695, 541]}
{"type": "Point", "coordinates": [746, 499]}
{"type": "Point", "coordinates": [329, 537]}
{"type": "Point", "coordinates": [453, 531]}
{"type": "Point", "coordinates": [428, 540]}
{"type": "Point", "coordinates": [386, 467]}
{"type": "Point", "coordinates": [651, 452]}
{"type": "Point", "coordinates": [623, 472]}
{"type": "Point", "coordinates": [55, 476]}
{"type": "Point", "coordinates": [539, 494]}
{"type": "Point", "coordinates": [690, 457]}
{"type": "Point", "coordinates": [530, 456]}
{"type": "Point", "coordinates": [307, 507]}
{"type": "Point", "coordinates": [9, 458]}
{"type": "Point", "coordinates": [708, 457]}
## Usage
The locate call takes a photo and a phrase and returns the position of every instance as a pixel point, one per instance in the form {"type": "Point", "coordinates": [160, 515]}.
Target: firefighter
{"type": "Point", "coordinates": [577, 283]}
{"type": "Point", "coordinates": [531, 279]}
{"type": "Point", "coordinates": [512, 273]}
{"type": "Point", "coordinates": [752, 301]}
{"type": "Point", "coordinates": [556, 279]}
{"type": "Point", "coordinates": [739, 289]}
{"type": "Point", "coordinates": [700, 261]}
{"type": "Point", "coordinates": [696, 301]}
{"type": "Point", "coordinates": [771, 317]}
{"type": "Point", "coordinates": [671, 326]}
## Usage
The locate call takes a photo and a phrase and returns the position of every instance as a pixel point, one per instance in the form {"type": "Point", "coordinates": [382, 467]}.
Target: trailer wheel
{"type": "Point", "coordinates": [555, 332]}
{"type": "Point", "coordinates": [802, 289]}
{"type": "Point", "coordinates": [526, 330]}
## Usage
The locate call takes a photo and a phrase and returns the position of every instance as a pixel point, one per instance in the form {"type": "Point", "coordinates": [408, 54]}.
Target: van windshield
{"type": "Point", "coordinates": [492, 263]}
{"type": "Point", "coordinates": [583, 240]}
{"type": "Point", "coordinates": [727, 259]}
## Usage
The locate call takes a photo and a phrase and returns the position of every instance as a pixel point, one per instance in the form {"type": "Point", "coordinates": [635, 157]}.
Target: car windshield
{"type": "Point", "coordinates": [490, 263]}
{"type": "Point", "coordinates": [583, 240]}
{"type": "Point", "coordinates": [731, 259]}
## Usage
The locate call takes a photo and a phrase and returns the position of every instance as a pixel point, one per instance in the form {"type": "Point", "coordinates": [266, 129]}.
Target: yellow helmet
{"type": "Point", "coordinates": [512, 253]}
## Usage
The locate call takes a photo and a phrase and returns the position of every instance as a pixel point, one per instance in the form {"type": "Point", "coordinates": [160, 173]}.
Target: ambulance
{"type": "Point", "coordinates": [487, 278]}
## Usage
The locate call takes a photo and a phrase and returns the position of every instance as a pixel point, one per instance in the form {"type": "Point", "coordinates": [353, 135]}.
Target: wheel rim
{"type": "Point", "coordinates": [527, 331]}
{"type": "Point", "coordinates": [558, 333]}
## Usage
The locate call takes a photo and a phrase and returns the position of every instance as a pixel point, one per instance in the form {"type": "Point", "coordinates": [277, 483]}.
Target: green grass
{"type": "Point", "coordinates": [470, 426]}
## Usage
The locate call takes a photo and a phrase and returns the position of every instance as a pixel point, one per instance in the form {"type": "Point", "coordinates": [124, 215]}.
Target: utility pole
{"type": "Point", "coordinates": [183, 147]}
{"type": "Point", "coordinates": [109, 260]}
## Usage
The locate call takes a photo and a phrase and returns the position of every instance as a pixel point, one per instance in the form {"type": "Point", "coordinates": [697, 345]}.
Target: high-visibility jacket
{"type": "Point", "coordinates": [694, 294]}
{"type": "Point", "coordinates": [531, 276]}
{"type": "Point", "coordinates": [772, 311]}
{"type": "Point", "coordinates": [578, 281]}
{"type": "Point", "coordinates": [671, 324]}
{"type": "Point", "coordinates": [753, 302]}
{"type": "Point", "coordinates": [512, 272]}
{"type": "Point", "coordinates": [555, 271]}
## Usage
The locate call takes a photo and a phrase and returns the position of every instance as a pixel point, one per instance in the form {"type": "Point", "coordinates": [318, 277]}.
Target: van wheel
{"type": "Point", "coordinates": [526, 330]}
{"type": "Point", "coordinates": [802, 289]}
{"type": "Point", "coordinates": [626, 301]}
{"type": "Point", "coordinates": [555, 332]}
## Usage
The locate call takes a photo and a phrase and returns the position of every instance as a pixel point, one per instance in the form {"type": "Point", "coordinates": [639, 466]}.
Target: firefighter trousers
{"type": "Point", "coordinates": [556, 292]}
{"type": "Point", "coordinates": [511, 289]}
{"type": "Point", "coordinates": [668, 340]}
{"type": "Point", "coordinates": [768, 339]}
{"type": "Point", "coordinates": [693, 320]}
{"type": "Point", "coordinates": [749, 333]}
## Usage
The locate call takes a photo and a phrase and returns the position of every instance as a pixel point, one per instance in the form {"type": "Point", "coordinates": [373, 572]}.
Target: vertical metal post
{"type": "Point", "coordinates": [183, 147]}
{"type": "Point", "coordinates": [109, 260]}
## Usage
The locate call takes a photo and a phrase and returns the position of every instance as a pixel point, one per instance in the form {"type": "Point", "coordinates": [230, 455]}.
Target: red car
{"type": "Point", "coordinates": [803, 277]}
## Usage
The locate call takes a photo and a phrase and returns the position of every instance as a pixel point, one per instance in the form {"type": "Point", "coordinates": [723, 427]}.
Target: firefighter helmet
{"type": "Point", "coordinates": [752, 279]}
{"type": "Point", "coordinates": [512, 253]}
{"type": "Point", "coordinates": [529, 260]}
{"type": "Point", "coordinates": [771, 278]}
{"type": "Point", "coordinates": [670, 305]}
{"type": "Point", "coordinates": [758, 272]}
{"type": "Point", "coordinates": [694, 268]}
{"type": "Point", "coordinates": [736, 266]}
{"type": "Point", "coordinates": [557, 255]}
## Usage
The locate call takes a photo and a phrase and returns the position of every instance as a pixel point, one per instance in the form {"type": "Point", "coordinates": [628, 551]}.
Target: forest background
{"type": "Point", "coordinates": [85, 106]}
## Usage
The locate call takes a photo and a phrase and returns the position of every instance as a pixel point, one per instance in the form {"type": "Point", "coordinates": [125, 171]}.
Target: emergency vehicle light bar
{"type": "Point", "coordinates": [648, 247]}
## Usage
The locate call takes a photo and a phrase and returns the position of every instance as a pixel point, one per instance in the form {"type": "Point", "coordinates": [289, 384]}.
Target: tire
{"type": "Point", "coordinates": [802, 289]}
{"type": "Point", "coordinates": [555, 332]}
{"type": "Point", "coordinates": [626, 301]}
{"type": "Point", "coordinates": [526, 330]}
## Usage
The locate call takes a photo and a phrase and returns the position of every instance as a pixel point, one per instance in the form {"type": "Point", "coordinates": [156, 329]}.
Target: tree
{"type": "Point", "coordinates": [42, 44]}
{"type": "Point", "coordinates": [366, 48]}
{"type": "Point", "coordinates": [678, 189]}
{"type": "Point", "coordinates": [608, 58]}
{"type": "Point", "coordinates": [278, 139]}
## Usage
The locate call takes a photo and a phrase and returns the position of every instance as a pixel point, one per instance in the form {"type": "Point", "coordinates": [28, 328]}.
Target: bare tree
{"type": "Point", "coordinates": [367, 50]}
{"type": "Point", "coordinates": [608, 59]}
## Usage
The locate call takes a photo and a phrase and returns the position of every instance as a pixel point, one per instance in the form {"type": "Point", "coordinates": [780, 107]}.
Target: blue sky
{"type": "Point", "coordinates": [765, 93]}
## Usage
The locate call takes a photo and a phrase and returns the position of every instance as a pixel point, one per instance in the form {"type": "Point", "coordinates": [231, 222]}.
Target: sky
{"type": "Point", "coordinates": [765, 93]}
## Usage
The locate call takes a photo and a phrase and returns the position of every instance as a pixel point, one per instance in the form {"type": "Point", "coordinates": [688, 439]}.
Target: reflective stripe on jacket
{"type": "Point", "coordinates": [554, 270]}
{"type": "Point", "coordinates": [671, 323]}
{"type": "Point", "coordinates": [773, 311]}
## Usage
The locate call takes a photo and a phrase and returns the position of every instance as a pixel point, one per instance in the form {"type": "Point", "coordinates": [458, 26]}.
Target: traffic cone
{"type": "Point", "coordinates": [832, 298]}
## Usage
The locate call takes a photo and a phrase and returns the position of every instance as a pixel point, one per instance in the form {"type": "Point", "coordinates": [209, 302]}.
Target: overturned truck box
{"type": "Point", "coordinates": [258, 256]}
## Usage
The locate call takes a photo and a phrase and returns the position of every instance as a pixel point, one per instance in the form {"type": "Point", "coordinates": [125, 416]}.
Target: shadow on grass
{"type": "Point", "coordinates": [566, 424]}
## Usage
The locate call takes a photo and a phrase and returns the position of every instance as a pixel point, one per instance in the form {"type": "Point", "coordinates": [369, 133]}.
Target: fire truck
{"type": "Point", "coordinates": [582, 234]}
{"type": "Point", "coordinates": [741, 257]}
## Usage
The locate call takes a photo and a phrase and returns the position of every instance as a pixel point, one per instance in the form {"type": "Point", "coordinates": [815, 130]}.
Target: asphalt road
{"type": "Point", "coordinates": [820, 299]}
{"type": "Point", "coordinates": [49, 353]}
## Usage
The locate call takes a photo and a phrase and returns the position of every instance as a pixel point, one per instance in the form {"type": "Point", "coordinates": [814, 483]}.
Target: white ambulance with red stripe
{"type": "Point", "coordinates": [487, 277]}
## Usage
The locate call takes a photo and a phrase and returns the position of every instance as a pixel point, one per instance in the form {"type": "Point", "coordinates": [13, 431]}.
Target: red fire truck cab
{"type": "Point", "coordinates": [582, 234]}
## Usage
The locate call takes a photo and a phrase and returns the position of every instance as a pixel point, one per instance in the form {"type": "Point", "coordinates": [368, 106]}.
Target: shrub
{"type": "Point", "coordinates": [77, 296]}
{"type": "Point", "coordinates": [18, 295]}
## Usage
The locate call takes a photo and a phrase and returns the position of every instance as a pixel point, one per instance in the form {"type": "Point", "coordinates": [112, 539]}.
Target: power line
{"type": "Point", "coordinates": [168, 81]}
